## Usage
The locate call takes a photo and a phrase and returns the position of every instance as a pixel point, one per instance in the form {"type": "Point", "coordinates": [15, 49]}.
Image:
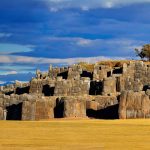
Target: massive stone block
{"type": "Point", "coordinates": [1, 113]}
{"type": "Point", "coordinates": [28, 110]}
{"type": "Point", "coordinates": [102, 107]}
{"type": "Point", "coordinates": [109, 86]}
{"type": "Point", "coordinates": [74, 107]}
{"type": "Point", "coordinates": [36, 86]}
{"type": "Point", "coordinates": [42, 108]}
{"type": "Point", "coordinates": [72, 87]}
{"type": "Point", "coordinates": [134, 105]}
{"type": "Point", "coordinates": [100, 102]}
{"type": "Point", "coordinates": [101, 72]}
{"type": "Point", "coordinates": [92, 105]}
{"type": "Point", "coordinates": [74, 72]}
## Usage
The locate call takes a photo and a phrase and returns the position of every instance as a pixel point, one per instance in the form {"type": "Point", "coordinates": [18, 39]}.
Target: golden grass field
{"type": "Point", "coordinates": [82, 134]}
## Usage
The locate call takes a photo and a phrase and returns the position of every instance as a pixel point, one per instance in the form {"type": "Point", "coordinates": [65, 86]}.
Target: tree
{"type": "Point", "coordinates": [144, 52]}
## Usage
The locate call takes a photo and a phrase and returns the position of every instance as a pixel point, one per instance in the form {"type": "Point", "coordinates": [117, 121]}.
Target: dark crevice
{"type": "Point", "coordinates": [109, 74]}
{"type": "Point", "coordinates": [9, 93]}
{"type": "Point", "coordinates": [118, 70]}
{"type": "Point", "coordinates": [118, 98]}
{"type": "Point", "coordinates": [64, 75]}
{"type": "Point", "coordinates": [22, 90]}
{"type": "Point", "coordinates": [47, 90]}
{"type": "Point", "coordinates": [146, 87]}
{"type": "Point", "coordinates": [59, 109]}
{"type": "Point", "coordinates": [14, 112]}
{"type": "Point", "coordinates": [118, 88]}
{"type": "Point", "coordinates": [96, 88]}
{"type": "Point", "coordinates": [87, 74]}
{"type": "Point", "coordinates": [110, 112]}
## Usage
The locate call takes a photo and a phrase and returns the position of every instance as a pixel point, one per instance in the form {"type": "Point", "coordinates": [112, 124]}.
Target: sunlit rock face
{"type": "Point", "coordinates": [134, 105]}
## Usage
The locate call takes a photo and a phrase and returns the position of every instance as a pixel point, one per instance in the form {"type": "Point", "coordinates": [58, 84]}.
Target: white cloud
{"type": "Point", "coordinates": [123, 46]}
{"type": "Point", "coordinates": [3, 35]}
{"type": "Point", "coordinates": [8, 48]}
{"type": "Point", "coordinates": [90, 4]}
{"type": "Point", "coordinates": [85, 8]}
{"type": "Point", "coordinates": [4, 72]}
{"type": "Point", "coordinates": [6, 82]}
{"type": "Point", "coordinates": [12, 72]}
{"type": "Point", "coordinates": [106, 46]}
{"type": "Point", "coordinates": [84, 42]}
{"type": "Point", "coordinates": [2, 82]}
{"type": "Point", "coordinates": [67, 61]}
{"type": "Point", "coordinates": [53, 9]}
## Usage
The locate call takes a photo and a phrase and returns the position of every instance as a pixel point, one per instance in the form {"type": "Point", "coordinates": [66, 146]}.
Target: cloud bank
{"type": "Point", "coordinates": [55, 5]}
{"type": "Point", "coordinates": [35, 33]}
{"type": "Point", "coordinates": [68, 61]}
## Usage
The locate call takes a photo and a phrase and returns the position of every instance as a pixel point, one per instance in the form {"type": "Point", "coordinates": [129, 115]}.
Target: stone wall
{"type": "Point", "coordinates": [101, 72]}
{"type": "Point", "coordinates": [72, 87]}
{"type": "Point", "coordinates": [134, 105]}
{"type": "Point", "coordinates": [38, 107]}
{"type": "Point", "coordinates": [36, 86]}
{"type": "Point", "coordinates": [77, 91]}
{"type": "Point", "coordinates": [1, 113]}
{"type": "Point", "coordinates": [136, 77]}
{"type": "Point", "coordinates": [109, 86]}
{"type": "Point", "coordinates": [28, 110]}
{"type": "Point", "coordinates": [74, 73]}
{"type": "Point", "coordinates": [74, 107]}
{"type": "Point", "coordinates": [101, 102]}
{"type": "Point", "coordinates": [39, 110]}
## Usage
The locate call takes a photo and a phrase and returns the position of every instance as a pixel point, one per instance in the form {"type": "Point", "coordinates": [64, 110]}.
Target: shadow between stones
{"type": "Point", "coordinates": [110, 112]}
{"type": "Point", "coordinates": [14, 112]}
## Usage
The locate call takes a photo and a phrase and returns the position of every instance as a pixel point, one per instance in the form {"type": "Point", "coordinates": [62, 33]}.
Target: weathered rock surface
{"type": "Point", "coordinates": [1, 113]}
{"type": "Point", "coordinates": [134, 105]}
{"type": "Point", "coordinates": [109, 86]}
{"type": "Point", "coordinates": [37, 108]}
{"type": "Point", "coordinates": [74, 107]}
{"type": "Point", "coordinates": [101, 102]}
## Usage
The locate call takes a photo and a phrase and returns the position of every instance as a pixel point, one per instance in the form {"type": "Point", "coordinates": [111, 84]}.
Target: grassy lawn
{"type": "Point", "coordinates": [75, 135]}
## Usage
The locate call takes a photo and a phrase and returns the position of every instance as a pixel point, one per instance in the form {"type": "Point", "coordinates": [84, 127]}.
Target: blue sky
{"type": "Point", "coordinates": [35, 33]}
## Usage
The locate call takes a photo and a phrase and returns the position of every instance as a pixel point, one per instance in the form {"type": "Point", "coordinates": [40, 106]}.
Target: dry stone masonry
{"type": "Point", "coordinates": [100, 91]}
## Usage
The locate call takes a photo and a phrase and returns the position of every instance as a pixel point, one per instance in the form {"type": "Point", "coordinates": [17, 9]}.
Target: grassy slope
{"type": "Point", "coordinates": [75, 135]}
